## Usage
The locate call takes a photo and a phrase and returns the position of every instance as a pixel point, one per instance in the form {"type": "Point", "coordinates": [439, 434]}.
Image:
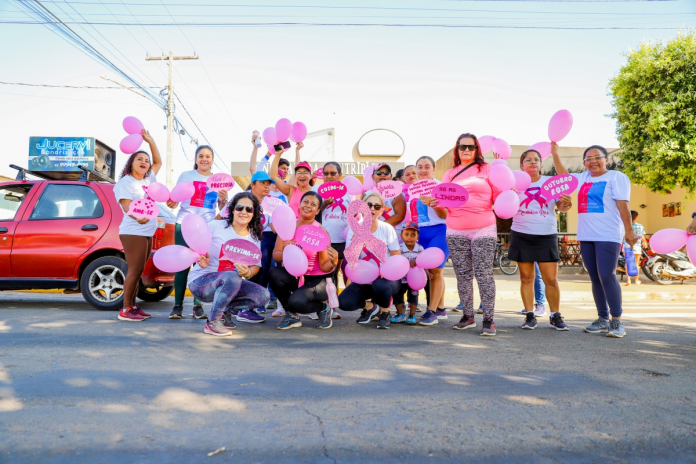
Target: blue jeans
{"type": "Point", "coordinates": [267, 245]}
{"type": "Point", "coordinates": [539, 287]}
{"type": "Point", "coordinates": [227, 291]}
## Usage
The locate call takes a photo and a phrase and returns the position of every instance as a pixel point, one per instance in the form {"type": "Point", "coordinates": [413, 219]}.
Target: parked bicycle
{"type": "Point", "coordinates": [501, 260]}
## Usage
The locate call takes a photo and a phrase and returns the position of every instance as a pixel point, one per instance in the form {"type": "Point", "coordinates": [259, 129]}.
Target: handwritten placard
{"type": "Point", "coordinates": [312, 238]}
{"type": "Point", "coordinates": [241, 252]}
{"type": "Point", "coordinates": [332, 190]}
{"type": "Point", "coordinates": [450, 195]}
{"type": "Point", "coordinates": [270, 203]}
{"type": "Point", "coordinates": [389, 188]}
{"type": "Point", "coordinates": [562, 184]}
{"type": "Point", "coordinates": [144, 208]}
{"type": "Point", "coordinates": [422, 187]}
{"type": "Point", "coordinates": [220, 181]}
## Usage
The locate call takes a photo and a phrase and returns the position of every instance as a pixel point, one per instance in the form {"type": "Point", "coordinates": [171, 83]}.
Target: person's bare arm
{"type": "Point", "coordinates": [625, 211]}
{"type": "Point", "coordinates": [558, 164]}
{"type": "Point", "coordinates": [564, 203]}
{"type": "Point", "coordinates": [286, 189]}
{"type": "Point", "coordinates": [254, 153]}
{"type": "Point", "coordinates": [399, 205]}
{"type": "Point", "coordinates": [691, 228]}
{"type": "Point", "coordinates": [156, 158]}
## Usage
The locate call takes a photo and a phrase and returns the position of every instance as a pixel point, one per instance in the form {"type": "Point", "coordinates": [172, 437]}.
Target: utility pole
{"type": "Point", "coordinates": [170, 106]}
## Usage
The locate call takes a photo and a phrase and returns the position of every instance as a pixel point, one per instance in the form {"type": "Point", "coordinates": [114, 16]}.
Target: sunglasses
{"type": "Point", "coordinates": [467, 147]}
{"type": "Point", "coordinates": [382, 173]}
{"type": "Point", "coordinates": [333, 173]}
{"type": "Point", "coordinates": [240, 208]}
{"type": "Point", "coordinates": [375, 206]}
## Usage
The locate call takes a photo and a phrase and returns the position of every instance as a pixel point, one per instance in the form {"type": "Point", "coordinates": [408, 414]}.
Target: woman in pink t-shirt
{"type": "Point", "coordinates": [472, 232]}
{"type": "Point", "coordinates": [311, 296]}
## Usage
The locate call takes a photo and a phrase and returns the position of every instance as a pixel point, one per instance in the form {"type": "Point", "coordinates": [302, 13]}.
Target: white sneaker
{"type": "Point", "coordinates": [539, 309]}
{"type": "Point", "coordinates": [313, 316]}
{"type": "Point", "coordinates": [280, 312]}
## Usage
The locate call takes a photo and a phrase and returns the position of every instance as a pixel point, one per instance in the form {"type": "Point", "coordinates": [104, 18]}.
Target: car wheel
{"type": "Point", "coordinates": [102, 283]}
{"type": "Point", "coordinates": [154, 294]}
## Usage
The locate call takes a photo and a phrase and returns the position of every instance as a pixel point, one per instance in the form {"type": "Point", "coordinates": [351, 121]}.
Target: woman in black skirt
{"type": "Point", "coordinates": [534, 238]}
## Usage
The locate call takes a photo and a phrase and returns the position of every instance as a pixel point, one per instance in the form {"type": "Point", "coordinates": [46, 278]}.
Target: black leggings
{"type": "Point", "coordinates": [380, 291]}
{"type": "Point", "coordinates": [310, 298]}
{"type": "Point", "coordinates": [601, 259]}
{"type": "Point", "coordinates": [137, 249]}
{"type": "Point", "coordinates": [410, 297]}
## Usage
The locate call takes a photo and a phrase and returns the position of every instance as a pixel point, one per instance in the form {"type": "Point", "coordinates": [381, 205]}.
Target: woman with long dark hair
{"type": "Point", "coordinates": [136, 234]}
{"type": "Point", "coordinates": [222, 282]}
{"type": "Point", "coordinates": [472, 232]}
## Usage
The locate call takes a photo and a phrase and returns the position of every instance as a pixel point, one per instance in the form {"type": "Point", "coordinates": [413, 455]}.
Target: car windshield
{"type": "Point", "coordinates": [11, 198]}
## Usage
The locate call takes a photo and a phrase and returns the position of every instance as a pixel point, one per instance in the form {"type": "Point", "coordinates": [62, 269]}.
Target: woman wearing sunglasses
{"type": "Point", "coordinates": [394, 209]}
{"type": "Point", "coordinates": [298, 185]}
{"type": "Point", "coordinates": [381, 291]}
{"type": "Point", "coordinates": [222, 282]}
{"type": "Point", "coordinates": [334, 216]}
{"type": "Point", "coordinates": [472, 233]}
{"type": "Point", "coordinates": [309, 296]}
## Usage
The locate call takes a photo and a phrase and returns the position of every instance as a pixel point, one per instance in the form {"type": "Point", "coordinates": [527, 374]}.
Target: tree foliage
{"type": "Point", "coordinates": [654, 99]}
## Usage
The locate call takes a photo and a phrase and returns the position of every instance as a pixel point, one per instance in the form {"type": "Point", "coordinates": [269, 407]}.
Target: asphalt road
{"type": "Point", "coordinates": [77, 386]}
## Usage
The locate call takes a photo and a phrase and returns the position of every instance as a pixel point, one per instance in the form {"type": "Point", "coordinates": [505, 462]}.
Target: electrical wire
{"type": "Point", "coordinates": [73, 86]}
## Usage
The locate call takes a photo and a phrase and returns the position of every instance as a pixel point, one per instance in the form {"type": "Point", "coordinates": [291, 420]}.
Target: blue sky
{"type": "Point", "coordinates": [428, 84]}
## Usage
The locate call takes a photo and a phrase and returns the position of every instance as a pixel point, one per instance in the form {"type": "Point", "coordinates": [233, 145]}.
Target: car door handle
{"type": "Point", "coordinates": [89, 227]}
{"type": "Point", "coordinates": [3, 230]}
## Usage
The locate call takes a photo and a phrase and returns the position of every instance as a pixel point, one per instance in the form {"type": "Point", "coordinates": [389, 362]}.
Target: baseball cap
{"type": "Point", "coordinates": [410, 225]}
{"type": "Point", "coordinates": [261, 176]}
{"type": "Point", "coordinates": [305, 165]}
{"type": "Point", "coordinates": [378, 166]}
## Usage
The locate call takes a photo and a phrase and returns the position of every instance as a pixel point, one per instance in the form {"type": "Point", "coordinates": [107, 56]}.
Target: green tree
{"type": "Point", "coordinates": [654, 99]}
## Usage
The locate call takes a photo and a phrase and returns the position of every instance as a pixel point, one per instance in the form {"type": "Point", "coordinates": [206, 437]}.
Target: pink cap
{"type": "Point", "coordinates": [305, 165]}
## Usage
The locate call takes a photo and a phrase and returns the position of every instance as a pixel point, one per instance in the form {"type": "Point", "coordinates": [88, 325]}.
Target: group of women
{"type": "Point", "coordinates": [466, 234]}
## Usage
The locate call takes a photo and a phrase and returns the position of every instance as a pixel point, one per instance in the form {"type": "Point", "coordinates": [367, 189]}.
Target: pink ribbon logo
{"type": "Point", "coordinates": [538, 197]}
{"type": "Point", "coordinates": [362, 237]}
{"type": "Point", "coordinates": [338, 204]}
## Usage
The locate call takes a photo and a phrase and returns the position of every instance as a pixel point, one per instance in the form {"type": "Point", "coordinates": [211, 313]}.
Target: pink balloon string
{"type": "Point", "coordinates": [362, 237]}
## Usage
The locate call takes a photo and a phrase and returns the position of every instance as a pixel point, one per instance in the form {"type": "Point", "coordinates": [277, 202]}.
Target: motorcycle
{"type": "Point", "coordinates": [671, 267]}
{"type": "Point", "coordinates": [646, 255]}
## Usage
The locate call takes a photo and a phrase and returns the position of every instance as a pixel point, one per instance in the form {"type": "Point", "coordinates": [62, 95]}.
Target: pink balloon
{"type": "Point", "coordinates": [284, 221]}
{"type": "Point", "coordinates": [691, 248]}
{"type": "Point", "coordinates": [365, 272]}
{"type": "Point", "coordinates": [182, 192]}
{"type": "Point", "coordinates": [394, 268]}
{"type": "Point", "coordinates": [507, 204]}
{"type": "Point", "coordinates": [197, 233]}
{"type": "Point", "coordinates": [502, 149]}
{"type": "Point", "coordinates": [560, 125]}
{"type": "Point", "coordinates": [131, 143]}
{"type": "Point", "coordinates": [132, 125]}
{"type": "Point", "coordinates": [353, 185]}
{"type": "Point", "coordinates": [283, 129]}
{"type": "Point", "coordinates": [430, 258]}
{"type": "Point", "coordinates": [158, 192]}
{"type": "Point", "coordinates": [502, 177]}
{"type": "Point", "coordinates": [294, 260]}
{"type": "Point", "coordinates": [522, 180]}
{"type": "Point", "coordinates": [416, 278]}
{"type": "Point", "coordinates": [498, 162]}
{"type": "Point", "coordinates": [174, 258]}
{"type": "Point", "coordinates": [544, 149]}
{"type": "Point", "coordinates": [269, 136]}
{"type": "Point", "coordinates": [368, 181]}
{"type": "Point", "coordinates": [299, 131]}
{"type": "Point", "coordinates": [486, 143]}
{"type": "Point", "coordinates": [667, 241]}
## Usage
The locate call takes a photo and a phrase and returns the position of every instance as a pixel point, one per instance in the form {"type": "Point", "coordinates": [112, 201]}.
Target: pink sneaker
{"type": "Point", "coordinates": [129, 315]}
{"type": "Point", "coordinates": [136, 309]}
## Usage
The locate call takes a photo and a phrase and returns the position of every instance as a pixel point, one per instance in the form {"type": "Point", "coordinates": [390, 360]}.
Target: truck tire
{"type": "Point", "coordinates": [102, 283]}
{"type": "Point", "coordinates": [154, 294]}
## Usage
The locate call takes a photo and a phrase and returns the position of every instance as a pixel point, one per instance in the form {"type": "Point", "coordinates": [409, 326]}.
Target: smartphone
{"type": "Point", "coordinates": [285, 145]}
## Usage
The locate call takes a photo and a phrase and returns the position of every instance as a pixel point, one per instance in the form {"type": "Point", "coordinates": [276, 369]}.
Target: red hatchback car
{"type": "Point", "coordinates": [64, 235]}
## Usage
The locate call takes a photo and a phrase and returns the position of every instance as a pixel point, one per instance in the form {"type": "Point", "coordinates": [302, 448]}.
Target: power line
{"type": "Point", "coordinates": [73, 86]}
{"type": "Point", "coordinates": [73, 99]}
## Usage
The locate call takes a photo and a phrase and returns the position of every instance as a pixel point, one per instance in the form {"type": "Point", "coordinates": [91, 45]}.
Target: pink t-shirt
{"type": "Point", "coordinates": [295, 202]}
{"type": "Point", "coordinates": [478, 211]}
{"type": "Point", "coordinates": [313, 265]}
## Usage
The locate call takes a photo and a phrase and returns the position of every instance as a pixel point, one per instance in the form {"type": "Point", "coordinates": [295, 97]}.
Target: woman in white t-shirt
{"type": "Point", "coordinates": [334, 215]}
{"type": "Point", "coordinates": [203, 203]}
{"type": "Point", "coordinates": [136, 234]}
{"type": "Point", "coordinates": [381, 290]}
{"type": "Point", "coordinates": [534, 238]}
{"type": "Point", "coordinates": [604, 216]}
{"type": "Point", "coordinates": [224, 283]}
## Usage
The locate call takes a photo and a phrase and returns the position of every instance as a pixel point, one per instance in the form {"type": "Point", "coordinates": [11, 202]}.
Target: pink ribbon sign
{"type": "Point", "coordinates": [144, 208]}
{"type": "Point", "coordinates": [362, 237]}
{"type": "Point", "coordinates": [312, 238]}
{"type": "Point", "coordinates": [562, 184]}
{"type": "Point", "coordinates": [332, 190]}
{"type": "Point", "coordinates": [450, 195]}
{"type": "Point", "coordinates": [220, 181]}
{"type": "Point", "coordinates": [269, 204]}
{"type": "Point", "coordinates": [241, 252]}
{"type": "Point", "coordinates": [421, 188]}
{"type": "Point", "coordinates": [389, 188]}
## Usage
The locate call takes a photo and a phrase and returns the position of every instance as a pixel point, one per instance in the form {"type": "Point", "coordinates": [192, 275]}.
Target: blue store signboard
{"type": "Point", "coordinates": [60, 153]}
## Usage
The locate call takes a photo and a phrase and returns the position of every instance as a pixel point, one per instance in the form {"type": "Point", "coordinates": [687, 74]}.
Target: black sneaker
{"type": "Point", "coordinates": [324, 319]}
{"type": "Point", "coordinates": [557, 322]}
{"type": "Point", "coordinates": [198, 312]}
{"type": "Point", "coordinates": [367, 315]}
{"type": "Point", "coordinates": [177, 312]}
{"type": "Point", "coordinates": [383, 320]}
{"type": "Point", "coordinates": [530, 322]}
{"type": "Point", "coordinates": [488, 329]}
{"type": "Point", "coordinates": [228, 321]}
{"type": "Point", "coordinates": [273, 304]}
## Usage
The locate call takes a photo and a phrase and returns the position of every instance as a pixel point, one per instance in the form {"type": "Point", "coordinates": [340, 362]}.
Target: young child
{"type": "Point", "coordinates": [410, 249]}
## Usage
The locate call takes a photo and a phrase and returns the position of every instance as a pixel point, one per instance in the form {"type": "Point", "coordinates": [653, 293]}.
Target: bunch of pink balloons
{"type": "Point", "coordinates": [283, 131]}
{"type": "Point", "coordinates": [501, 149]}
{"type": "Point", "coordinates": [130, 143]}
{"type": "Point", "coordinates": [181, 192]}
{"type": "Point", "coordinates": [559, 127]}
{"type": "Point", "coordinates": [175, 258]}
{"type": "Point", "coordinates": [285, 223]}
{"type": "Point", "coordinates": [396, 268]}
{"type": "Point", "coordinates": [501, 176]}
